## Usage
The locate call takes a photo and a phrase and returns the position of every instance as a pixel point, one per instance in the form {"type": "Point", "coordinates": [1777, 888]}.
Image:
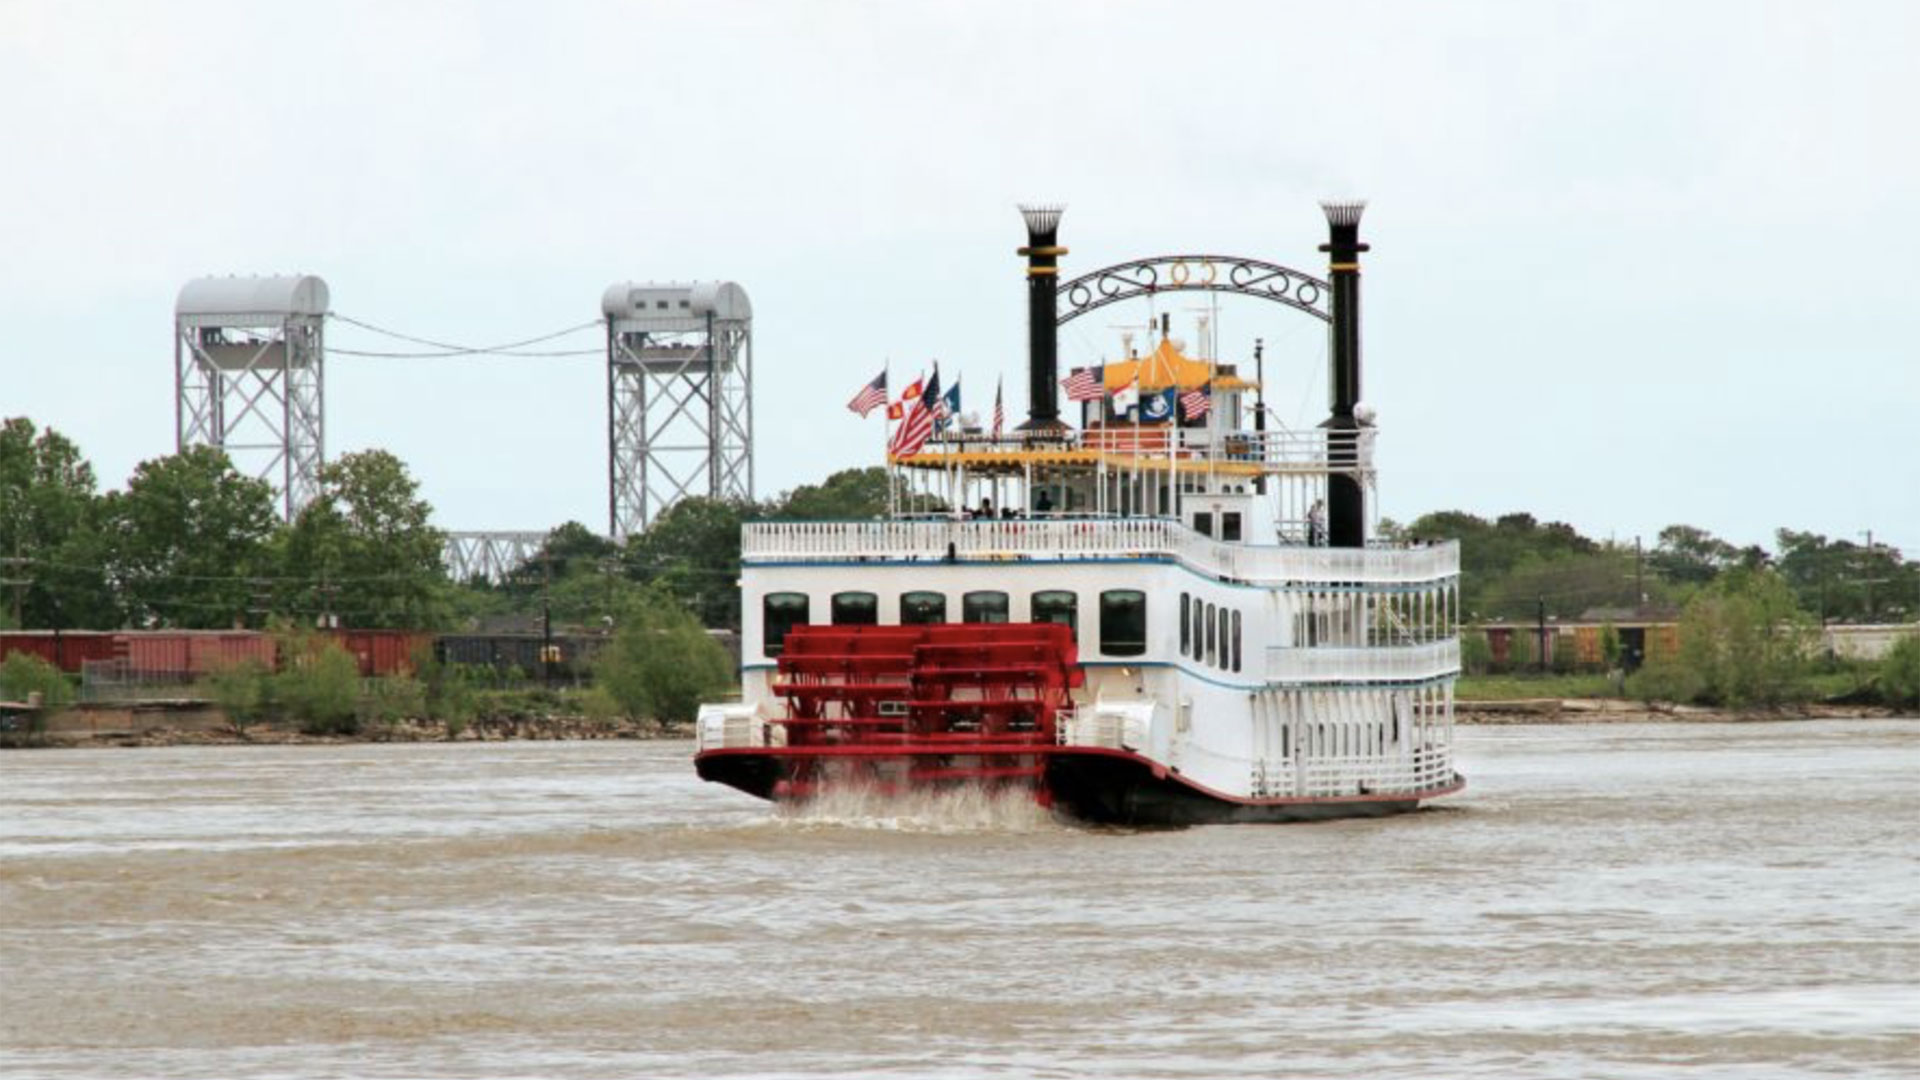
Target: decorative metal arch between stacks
{"type": "Point", "coordinates": [1194, 273]}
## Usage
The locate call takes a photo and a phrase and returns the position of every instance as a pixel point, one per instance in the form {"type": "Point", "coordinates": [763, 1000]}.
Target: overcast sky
{"type": "Point", "coordinates": [1633, 264]}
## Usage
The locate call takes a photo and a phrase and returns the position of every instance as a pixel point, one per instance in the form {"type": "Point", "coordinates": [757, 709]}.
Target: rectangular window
{"type": "Point", "coordinates": [983, 607]}
{"type": "Point", "coordinates": [1203, 523]}
{"type": "Point", "coordinates": [923, 608]}
{"type": "Point", "coordinates": [1236, 641]}
{"type": "Point", "coordinates": [1209, 624]}
{"type": "Point", "coordinates": [1225, 648]}
{"type": "Point", "coordinates": [1123, 622]}
{"type": "Point", "coordinates": [1056, 606]}
{"type": "Point", "coordinates": [855, 609]}
{"type": "Point", "coordinates": [779, 613]}
{"type": "Point", "coordinates": [1230, 525]}
{"type": "Point", "coordinates": [1186, 626]}
{"type": "Point", "coordinates": [1199, 629]}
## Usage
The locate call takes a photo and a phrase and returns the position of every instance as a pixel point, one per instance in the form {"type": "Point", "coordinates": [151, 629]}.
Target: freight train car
{"type": "Point", "coordinates": [64, 649]}
{"type": "Point", "coordinates": [568, 657]}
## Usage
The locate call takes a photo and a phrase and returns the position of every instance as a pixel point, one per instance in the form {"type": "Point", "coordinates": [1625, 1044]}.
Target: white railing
{"type": "Point", "coordinates": [1311, 450]}
{"type": "Point", "coordinates": [1123, 728]}
{"type": "Point", "coordinates": [1385, 663]}
{"type": "Point", "coordinates": [1064, 538]}
{"type": "Point", "coordinates": [1425, 771]}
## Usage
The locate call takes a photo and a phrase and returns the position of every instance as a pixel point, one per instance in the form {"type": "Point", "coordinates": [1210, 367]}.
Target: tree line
{"type": "Point", "coordinates": [1514, 567]}
{"type": "Point", "coordinates": [190, 543]}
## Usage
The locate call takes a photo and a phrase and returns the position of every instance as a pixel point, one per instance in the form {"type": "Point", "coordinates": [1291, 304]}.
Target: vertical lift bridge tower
{"type": "Point", "coordinates": [248, 355]}
{"type": "Point", "coordinates": [679, 397]}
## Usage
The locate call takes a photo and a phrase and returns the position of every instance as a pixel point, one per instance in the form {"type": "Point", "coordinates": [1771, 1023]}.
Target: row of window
{"type": "Point", "coordinates": [1229, 524]}
{"type": "Point", "coordinates": [1209, 634]}
{"type": "Point", "coordinates": [1123, 613]}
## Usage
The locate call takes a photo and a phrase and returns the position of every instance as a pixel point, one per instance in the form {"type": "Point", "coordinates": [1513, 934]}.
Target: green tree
{"type": "Point", "coordinates": [693, 553]}
{"type": "Point", "coordinates": [1900, 672]}
{"type": "Point", "coordinates": [190, 540]}
{"type": "Point", "coordinates": [1687, 555]}
{"type": "Point", "coordinates": [22, 674]}
{"type": "Point", "coordinates": [364, 551]}
{"type": "Point", "coordinates": [319, 687]}
{"type": "Point", "coordinates": [851, 494]}
{"type": "Point", "coordinates": [244, 692]}
{"type": "Point", "coordinates": [1490, 551]}
{"type": "Point", "coordinates": [1745, 640]}
{"type": "Point", "coordinates": [1838, 580]}
{"type": "Point", "coordinates": [1610, 647]}
{"type": "Point", "coordinates": [662, 664]}
{"type": "Point", "coordinates": [50, 533]}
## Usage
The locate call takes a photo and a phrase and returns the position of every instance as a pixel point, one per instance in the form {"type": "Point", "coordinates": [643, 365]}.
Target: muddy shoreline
{"type": "Point", "coordinates": [195, 724]}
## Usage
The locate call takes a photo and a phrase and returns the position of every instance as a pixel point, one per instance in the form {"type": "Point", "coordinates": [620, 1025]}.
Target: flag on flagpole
{"type": "Point", "coordinates": [1085, 384]}
{"type": "Point", "coordinates": [999, 406]}
{"type": "Point", "coordinates": [899, 408]}
{"type": "Point", "coordinates": [1127, 396]}
{"type": "Point", "coordinates": [1194, 404]}
{"type": "Point", "coordinates": [947, 407]}
{"type": "Point", "coordinates": [917, 428]}
{"type": "Point", "coordinates": [871, 396]}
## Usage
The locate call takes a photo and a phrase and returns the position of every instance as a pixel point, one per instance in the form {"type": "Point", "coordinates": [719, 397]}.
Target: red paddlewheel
{"type": "Point", "coordinates": [900, 707]}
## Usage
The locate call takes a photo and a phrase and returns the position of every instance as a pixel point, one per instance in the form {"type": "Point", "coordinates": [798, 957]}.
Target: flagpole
{"type": "Point", "coordinates": [886, 436]}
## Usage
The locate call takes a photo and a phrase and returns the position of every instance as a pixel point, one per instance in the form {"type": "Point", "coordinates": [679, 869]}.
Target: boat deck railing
{"type": "Point", "coordinates": [1040, 539]}
{"type": "Point", "coordinates": [1349, 664]}
{"type": "Point", "coordinates": [1309, 451]}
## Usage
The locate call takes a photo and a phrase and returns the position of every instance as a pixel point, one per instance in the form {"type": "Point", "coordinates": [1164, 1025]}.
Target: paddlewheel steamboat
{"type": "Point", "coordinates": [1173, 612]}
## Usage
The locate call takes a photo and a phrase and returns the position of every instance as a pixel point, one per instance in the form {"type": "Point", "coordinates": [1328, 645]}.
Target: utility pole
{"type": "Point", "coordinates": [1540, 661]}
{"type": "Point", "coordinates": [546, 615]}
{"type": "Point", "coordinates": [1639, 585]}
{"type": "Point", "coordinates": [1869, 581]}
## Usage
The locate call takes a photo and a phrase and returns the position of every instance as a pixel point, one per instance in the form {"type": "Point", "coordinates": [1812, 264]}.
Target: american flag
{"type": "Point", "coordinates": [917, 428]}
{"type": "Point", "coordinates": [1194, 404]}
{"type": "Point", "coordinates": [871, 396]}
{"type": "Point", "coordinates": [1086, 384]}
{"type": "Point", "coordinates": [999, 409]}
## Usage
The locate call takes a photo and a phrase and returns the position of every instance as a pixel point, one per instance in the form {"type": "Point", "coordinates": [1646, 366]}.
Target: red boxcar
{"type": "Point", "coordinates": [191, 652]}
{"type": "Point", "coordinates": [384, 652]}
{"type": "Point", "coordinates": [64, 649]}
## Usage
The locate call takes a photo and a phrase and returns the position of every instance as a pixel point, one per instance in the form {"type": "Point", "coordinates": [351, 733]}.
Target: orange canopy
{"type": "Point", "coordinates": [1167, 366]}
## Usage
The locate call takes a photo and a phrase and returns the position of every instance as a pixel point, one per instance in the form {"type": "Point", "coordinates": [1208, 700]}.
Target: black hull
{"type": "Point", "coordinates": [1112, 790]}
{"type": "Point", "coordinates": [1107, 788]}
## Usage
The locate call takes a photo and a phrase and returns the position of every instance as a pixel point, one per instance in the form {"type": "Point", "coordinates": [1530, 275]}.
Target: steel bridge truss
{"type": "Point", "coordinates": [257, 392]}
{"type": "Point", "coordinates": [490, 556]}
{"type": "Point", "coordinates": [679, 406]}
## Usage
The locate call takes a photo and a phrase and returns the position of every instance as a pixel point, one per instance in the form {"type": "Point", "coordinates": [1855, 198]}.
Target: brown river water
{"type": "Point", "coordinates": [1706, 900]}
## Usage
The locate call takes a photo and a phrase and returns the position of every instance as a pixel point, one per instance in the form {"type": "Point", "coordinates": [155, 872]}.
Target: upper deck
{"type": "Point", "coordinates": [1161, 448]}
{"type": "Point", "coordinates": [1075, 537]}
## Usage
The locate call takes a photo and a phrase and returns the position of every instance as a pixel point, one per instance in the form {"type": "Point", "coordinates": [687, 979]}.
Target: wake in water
{"type": "Point", "coordinates": [960, 809]}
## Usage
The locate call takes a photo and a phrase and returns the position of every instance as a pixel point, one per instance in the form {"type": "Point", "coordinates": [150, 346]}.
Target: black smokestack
{"type": "Point", "coordinates": [1346, 498]}
{"type": "Point", "coordinates": [1043, 341]}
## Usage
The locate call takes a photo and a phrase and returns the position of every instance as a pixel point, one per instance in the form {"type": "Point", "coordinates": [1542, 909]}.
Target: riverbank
{"type": "Point", "coordinates": [196, 724]}
{"type": "Point", "coordinates": [1552, 710]}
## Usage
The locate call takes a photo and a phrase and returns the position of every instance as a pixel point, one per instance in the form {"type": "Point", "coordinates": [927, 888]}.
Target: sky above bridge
{"type": "Point", "coordinates": [1633, 263]}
